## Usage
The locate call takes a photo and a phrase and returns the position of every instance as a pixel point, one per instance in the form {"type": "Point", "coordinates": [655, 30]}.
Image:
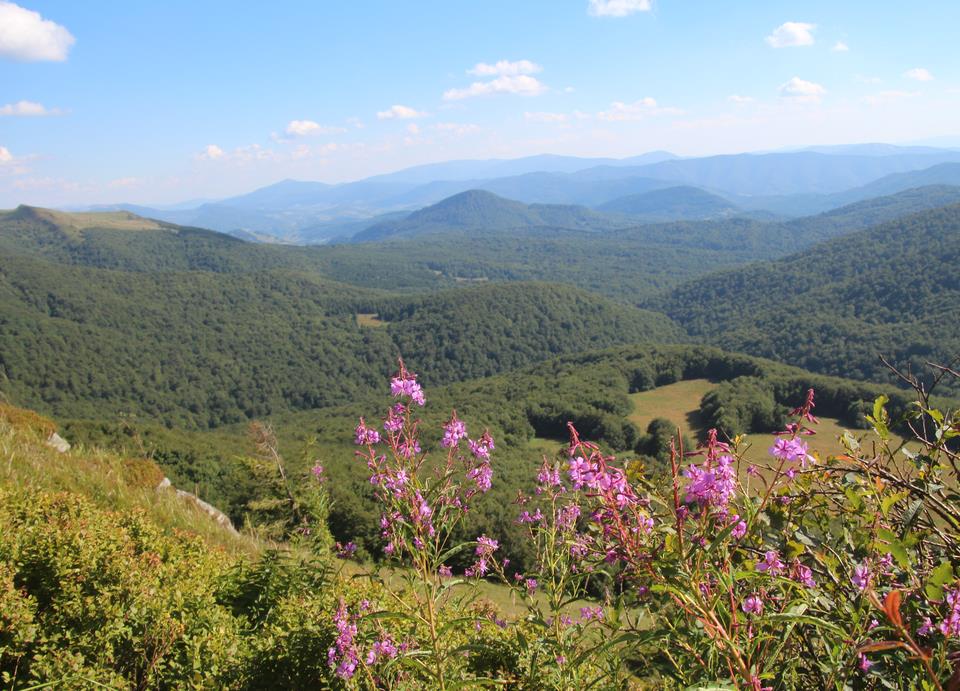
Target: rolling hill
{"type": "Point", "coordinates": [477, 210]}
{"type": "Point", "coordinates": [891, 290]}
{"type": "Point", "coordinates": [671, 204]}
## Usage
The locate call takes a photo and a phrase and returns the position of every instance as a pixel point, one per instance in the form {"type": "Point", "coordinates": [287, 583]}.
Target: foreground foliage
{"type": "Point", "coordinates": [804, 572]}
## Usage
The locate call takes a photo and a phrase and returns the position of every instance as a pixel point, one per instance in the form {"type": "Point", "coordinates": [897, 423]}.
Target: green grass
{"type": "Point", "coordinates": [680, 403]}
{"type": "Point", "coordinates": [113, 482]}
{"type": "Point", "coordinates": [371, 320]}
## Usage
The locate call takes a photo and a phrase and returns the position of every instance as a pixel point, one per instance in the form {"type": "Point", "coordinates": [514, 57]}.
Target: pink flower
{"type": "Point", "coordinates": [861, 576]}
{"type": "Point", "coordinates": [453, 432]}
{"type": "Point", "coordinates": [482, 447]}
{"type": "Point", "coordinates": [752, 605]}
{"type": "Point", "coordinates": [951, 625]}
{"type": "Point", "coordinates": [802, 574]}
{"type": "Point", "coordinates": [771, 563]}
{"type": "Point", "coordinates": [793, 450]}
{"type": "Point", "coordinates": [865, 664]}
{"type": "Point", "coordinates": [366, 435]}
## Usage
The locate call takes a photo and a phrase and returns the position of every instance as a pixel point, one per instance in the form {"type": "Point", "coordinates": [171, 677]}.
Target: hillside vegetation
{"type": "Point", "coordinates": [205, 349]}
{"type": "Point", "coordinates": [835, 308]}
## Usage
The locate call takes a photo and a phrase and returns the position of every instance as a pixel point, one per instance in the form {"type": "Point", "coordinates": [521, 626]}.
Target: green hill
{"type": "Point", "coordinates": [870, 212]}
{"type": "Point", "coordinates": [891, 290]}
{"type": "Point", "coordinates": [671, 204]}
{"type": "Point", "coordinates": [203, 349]}
{"type": "Point", "coordinates": [485, 211]}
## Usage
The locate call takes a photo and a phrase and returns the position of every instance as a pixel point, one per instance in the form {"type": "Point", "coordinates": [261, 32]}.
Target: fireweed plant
{"type": "Point", "coordinates": [800, 572]}
{"type": "Point", "coordinates": [422, 504]}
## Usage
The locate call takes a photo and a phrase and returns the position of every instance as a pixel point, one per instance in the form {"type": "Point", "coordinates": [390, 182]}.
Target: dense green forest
{"type": "Point", "coordinates": [205, 349]}
{"type": "Point", "coordinates": [892, 290]}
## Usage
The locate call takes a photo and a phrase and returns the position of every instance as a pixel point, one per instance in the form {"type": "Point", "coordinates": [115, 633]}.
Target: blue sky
{"type": "Point", "coordinates": [150, 102]}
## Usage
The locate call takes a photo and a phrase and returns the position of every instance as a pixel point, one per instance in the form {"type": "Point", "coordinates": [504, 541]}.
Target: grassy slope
{"type": "Point", "coordinates": [111, 481]}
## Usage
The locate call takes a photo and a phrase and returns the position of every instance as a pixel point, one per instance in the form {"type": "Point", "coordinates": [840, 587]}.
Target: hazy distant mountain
{"type": "Point", "coordinates": [496, 168]}
{"type": "Point", "coordinates": [807, 204]}
{"type": "Point", "coordinates": [671, 204]}
{"type": "Point", "coordinates": [485, 211]}
{"type": "Point", "coordinates": [787, 184]}
{"type": "Point", "coordinates": [789, 173]}
{"type": "Point", "coordinates": [873, 149]}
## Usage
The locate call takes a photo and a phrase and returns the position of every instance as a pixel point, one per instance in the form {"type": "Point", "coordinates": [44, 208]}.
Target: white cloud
{"type": "Point", "coordinates": [400, 113]}
{"type": "Point", "coordinates": [840, 47]}
{"type": "Point", "coordinates": [802, 91]}
{"type": "Point", "coordinates": [885, 97]}
{"type": "Point", "coordinates": [791, 34]}
{"type": "Point", "coordinates": [356, 122]}
{"type": "Point", "coordinates": [523, 85]}
{"type": "Point", "coordinates": [302, 128]}
{"type": "Point", "coordinates": [211, 152]}
{"type": "Point", "coordinates": [621, 112]}
{"type": "Point", "coordinates": [28, 37]}
{"type": "Point", "coordinates": [5, 155]}
{"type": "Point", "coordinates": [618, 8]}
{"type": "Point", "coordinates": [505, 68]}
{"type": "Point", "coordinates": [412, 128]}
{"type": "Point", "coordinates": [740, 100]}
{"type": "Point", "coordinates": [26, 109]}
{"type": "Point", "coordinates": [546, 118]}
{"type": "Point", "coordinates": [920, 74]}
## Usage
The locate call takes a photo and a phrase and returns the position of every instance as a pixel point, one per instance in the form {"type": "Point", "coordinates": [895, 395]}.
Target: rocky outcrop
{"type": "Point", "coordinates": [216, 514]}
{"type": "Point", "coordinates": [58, 443]}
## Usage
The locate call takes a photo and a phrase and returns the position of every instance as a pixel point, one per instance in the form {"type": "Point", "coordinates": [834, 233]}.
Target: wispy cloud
{"type": "Point", "coordinates": [792, 35]}
{"type": "Point", "coordinates": [504, 68]}
{"type": "Point", "coordinates": [303, 128]}
{"type": "Point", "coordinates": [620, 111]}
{"type": "Point", "coordinates": [5, 155]}
{"type": "Point", "coordinates": [840, 47]}
{"type": "Point", "coordinates": [521, 84]}
{"type": "Point", "coordinates": [920, 74]}
{"type": "Point", "coordinates": [802, 91]}
{"type": "Point", "coordinates": [617, 8]}
{"type": "Point", "coordinates": [211, 152]}
{"type": "Point", "coordinates": [27, 109]}
{"type": "Point", "coordinates": [546, 118]}
{"type": "Point", "coordinates": [27, 37]}
{"type": "Point", "coordinates": [400, 113]}
{"type": "Point", "coordinates": [740, 100]}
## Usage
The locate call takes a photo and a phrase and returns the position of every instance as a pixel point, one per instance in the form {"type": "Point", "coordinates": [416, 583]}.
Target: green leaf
{"type": "Point", "coordinates": [806, 619]}
{"type": "Point", "coordinates": [887, 503]}
{"type": "Point", "coordinates": [938, 578]}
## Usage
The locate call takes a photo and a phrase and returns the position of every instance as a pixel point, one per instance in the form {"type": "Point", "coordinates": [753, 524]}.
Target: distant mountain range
{"type": "Point", "coordinates": [784, 184]}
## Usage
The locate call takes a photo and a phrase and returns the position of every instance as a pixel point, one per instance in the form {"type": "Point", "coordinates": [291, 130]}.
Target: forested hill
{"type": "Point", "coordinates": [494, 328]}
{"type": "Point", "coordinates": [871, 212]}
{"type": "Point", "coordinates": [203, 349]}
{"type": "Point", "coordinates": [892, 290]}
{"type": "Point", "coordinates": [484, 211]}
{"type": "Point", "coordinates": [671, 204]}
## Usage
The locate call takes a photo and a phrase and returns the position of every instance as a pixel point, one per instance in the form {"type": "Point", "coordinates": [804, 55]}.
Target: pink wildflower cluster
{"type": "Point", "coordinates": [405, 384]}
{"type": "Point", "coordinates": [486, 546]}
{"type": "Point", "coordinates": [345, 654]}
{"type": "Point", "coordinates": [712, 484]}
{"type": "Point", "coordinates": [421, 502]}
{"type": "Point", "coordinates": [951, 625]}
